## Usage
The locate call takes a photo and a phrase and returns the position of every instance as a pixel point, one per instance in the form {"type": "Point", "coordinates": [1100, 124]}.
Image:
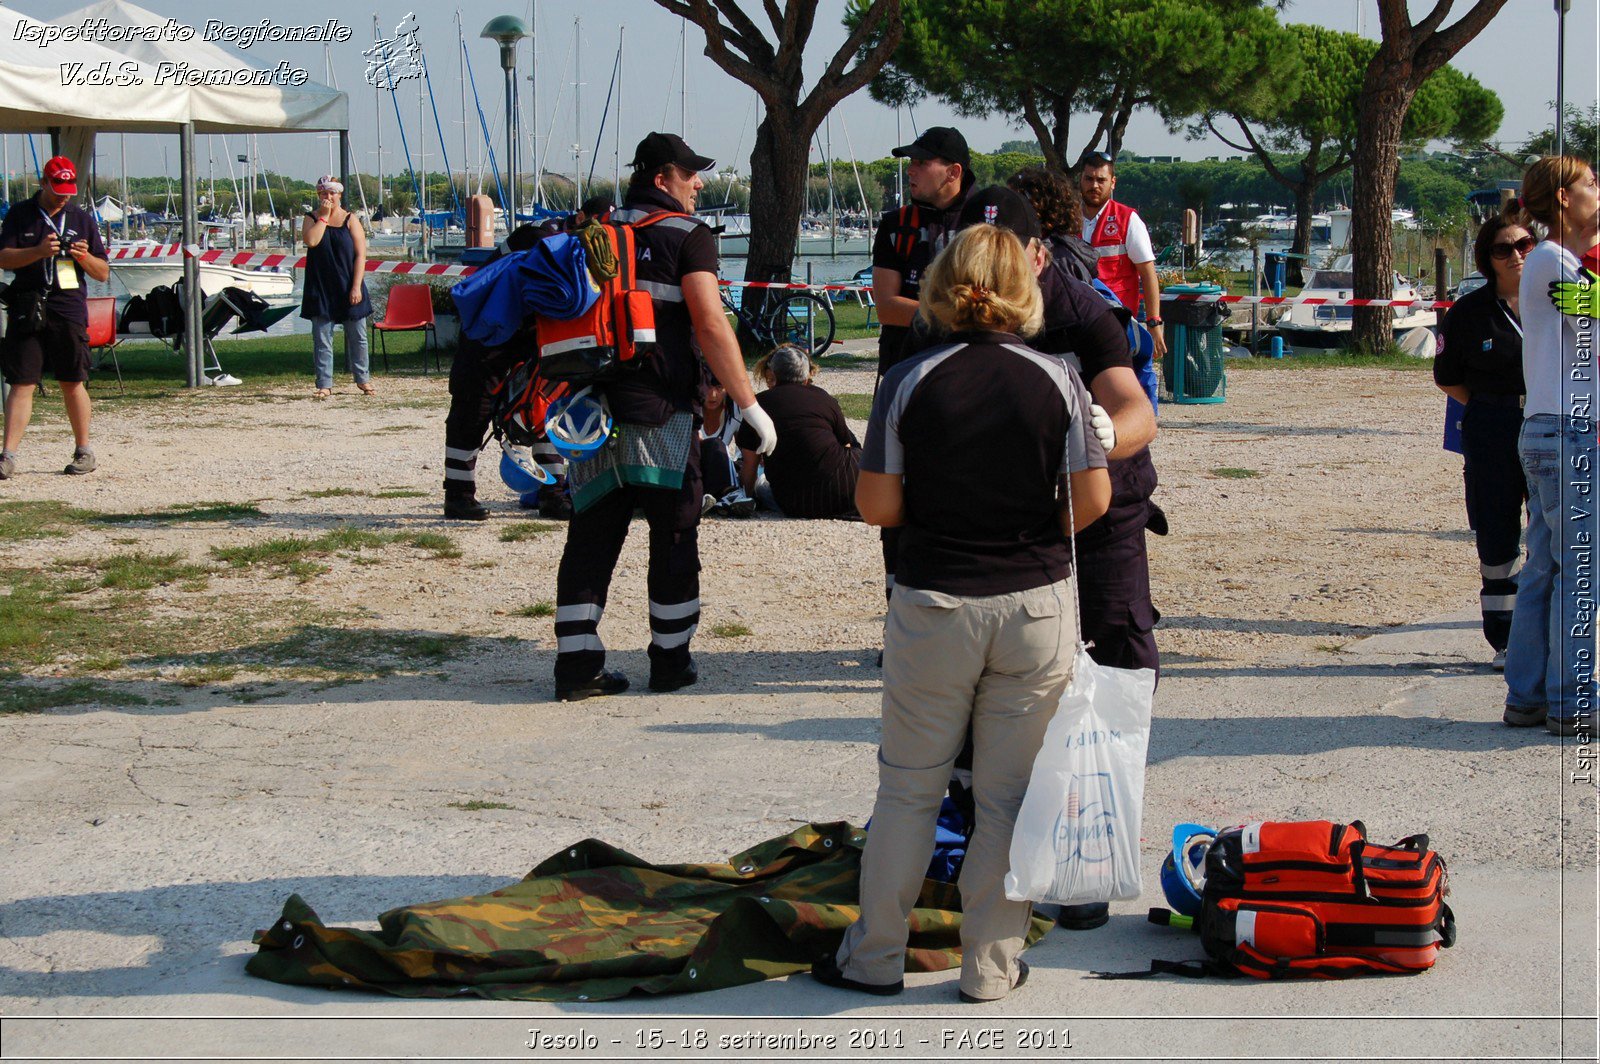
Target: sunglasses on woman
{"type": "Point", "coordinates": [1521, 247]}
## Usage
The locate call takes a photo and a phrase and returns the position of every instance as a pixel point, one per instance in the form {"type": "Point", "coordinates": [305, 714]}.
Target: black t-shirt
{"type": "Point", "coordinates": [907, 241]}
{"type": "Point", "coordinates": [25, 226]}
{"type": "Point", "coordinates": [1482, 345]}
{"type": "Point", "coordinates": [664, 253]}
{"type": "Point", "coordinates": [812, 436]}
{"type": "Point", "coordinates": [1079, 327]}
{"type": "Point", "coordinates": [981, 428]}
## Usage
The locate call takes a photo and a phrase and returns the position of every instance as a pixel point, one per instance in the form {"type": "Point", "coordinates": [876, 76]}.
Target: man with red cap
{"type": "Point", "coordinates": [52, 246]}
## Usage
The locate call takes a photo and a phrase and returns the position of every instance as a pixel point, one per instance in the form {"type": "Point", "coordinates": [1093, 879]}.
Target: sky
{"type": "Point", "coordinates": [1515, 57]}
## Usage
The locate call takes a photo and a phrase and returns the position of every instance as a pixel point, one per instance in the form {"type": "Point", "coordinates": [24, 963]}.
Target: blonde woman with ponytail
{"type": "Point", "coordinates": [969, 452]}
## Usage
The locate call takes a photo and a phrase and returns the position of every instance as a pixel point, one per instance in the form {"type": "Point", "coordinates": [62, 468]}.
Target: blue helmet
{"type": "Point", "coordinates": [520, 472]}
{"type": "Point", "coordinates": [578, 425]}
{"type": "Point", "coordinates": [1183, 873]}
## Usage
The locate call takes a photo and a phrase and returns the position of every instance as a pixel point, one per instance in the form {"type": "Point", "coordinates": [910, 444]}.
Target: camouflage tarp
{"type": "Point", "coordinates": [594, 923]}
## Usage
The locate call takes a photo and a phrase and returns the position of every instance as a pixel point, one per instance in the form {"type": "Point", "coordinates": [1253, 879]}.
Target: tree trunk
{"type": "Point", "coordinates": [777, 200]}
{"type": "Point", "coordinates": [1385, 98]}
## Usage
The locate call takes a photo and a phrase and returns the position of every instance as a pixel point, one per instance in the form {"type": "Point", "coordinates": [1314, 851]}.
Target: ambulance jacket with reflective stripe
{"type": "Point", "coordinates": [664, 253]}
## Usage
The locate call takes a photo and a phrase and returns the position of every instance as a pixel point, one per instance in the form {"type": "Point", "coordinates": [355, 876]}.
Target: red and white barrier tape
{"type": "Point", "coordinates": [249, 260]}
{"type": "Point", "coordinates": [1308, 301]}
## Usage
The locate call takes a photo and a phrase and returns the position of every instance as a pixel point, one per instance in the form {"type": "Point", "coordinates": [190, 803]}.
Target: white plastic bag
{"type": "Point", "coordinates": [1076, 839]}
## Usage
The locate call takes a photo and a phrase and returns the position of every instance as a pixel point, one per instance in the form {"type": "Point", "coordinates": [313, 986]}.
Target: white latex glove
{"type": "Point", "coordinates": [758, 420]}
{"type": "Point", "coordinates": [1104, 430]}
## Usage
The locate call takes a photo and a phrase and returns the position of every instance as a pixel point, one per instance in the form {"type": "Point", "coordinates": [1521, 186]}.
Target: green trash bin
{"type": "Point", "coordinates": [1194, 370]}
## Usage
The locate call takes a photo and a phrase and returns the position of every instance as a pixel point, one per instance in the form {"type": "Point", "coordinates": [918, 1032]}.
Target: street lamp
{"type": "Point", "coordinates": [508, 30]}
{"type": "Point", "coordinates": [1562, 7]}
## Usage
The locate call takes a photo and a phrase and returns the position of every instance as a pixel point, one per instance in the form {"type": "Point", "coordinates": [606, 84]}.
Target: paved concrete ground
{"type": "Point", "coordinates": [143, 846]}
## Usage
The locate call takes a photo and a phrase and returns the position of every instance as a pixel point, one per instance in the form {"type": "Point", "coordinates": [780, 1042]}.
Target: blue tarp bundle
{"type": "Point", "coordinates": [550, 278]}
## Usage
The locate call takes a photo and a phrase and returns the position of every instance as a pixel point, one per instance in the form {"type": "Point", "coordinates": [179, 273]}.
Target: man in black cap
{"type": "Point", "coordinates": [940, 176]}
{"type": "Point", "coordinates": [652, 463]}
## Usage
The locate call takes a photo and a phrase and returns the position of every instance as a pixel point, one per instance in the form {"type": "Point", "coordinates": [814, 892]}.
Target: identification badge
{"type": "Point", "coordinates": [66, 273]}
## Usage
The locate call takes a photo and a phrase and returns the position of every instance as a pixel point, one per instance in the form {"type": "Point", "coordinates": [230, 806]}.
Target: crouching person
{"type": "Point", "coordinates": [982, 626]}
{"type": "Point", "coordinates": [815, 475]}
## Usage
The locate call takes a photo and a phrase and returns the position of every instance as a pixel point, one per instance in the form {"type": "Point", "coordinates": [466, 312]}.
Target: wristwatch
{"type": "Point", "coordinates": [1152, 321]}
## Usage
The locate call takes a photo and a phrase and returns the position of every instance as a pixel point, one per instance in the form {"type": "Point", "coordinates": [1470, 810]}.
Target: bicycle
{"type": "Point", "coordinates": [790, 317]}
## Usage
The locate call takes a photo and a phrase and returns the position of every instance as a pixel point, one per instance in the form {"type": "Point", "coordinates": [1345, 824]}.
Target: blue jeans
{"type": "Point", "coordinates": [355, 350]}
{"type": "Point", "coordinates": [1552, 628]}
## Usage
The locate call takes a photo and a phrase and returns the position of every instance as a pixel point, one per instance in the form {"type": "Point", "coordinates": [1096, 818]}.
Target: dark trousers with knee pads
{"type": "Point", "coordinates": [1495, 493]}
{"type": "Point", "coordinates": [468, 419]}
{"type": "Point", "coordinates": [594, 542]}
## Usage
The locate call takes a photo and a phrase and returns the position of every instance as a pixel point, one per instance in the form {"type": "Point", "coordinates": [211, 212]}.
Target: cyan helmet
{"type": "Point", "coordinates": [578, 425]}
{"type": "Point", "coordinates": [1183, 873]}
{"type": "Point", "coordinates": [519, 470]}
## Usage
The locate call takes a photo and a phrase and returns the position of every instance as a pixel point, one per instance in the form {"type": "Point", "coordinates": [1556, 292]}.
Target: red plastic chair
{"type": "Point", "coordinates": [410, 309]}
{"type": "Point", "coordinates": [103, 332]}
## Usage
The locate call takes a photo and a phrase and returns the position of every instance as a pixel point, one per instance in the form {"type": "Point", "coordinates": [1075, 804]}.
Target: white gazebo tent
{"type": "Point", "coordinates": [33, 100]}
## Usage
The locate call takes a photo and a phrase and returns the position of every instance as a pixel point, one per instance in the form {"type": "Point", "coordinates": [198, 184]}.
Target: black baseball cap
{"type": "Point", "coordinates": [595, 206]}
{"type": "Point", "coordinates": [998, 205]}
{"type": "Point", "coordinates": [938, 142]}
{"type": "Point", "coordinates": [659, 149]}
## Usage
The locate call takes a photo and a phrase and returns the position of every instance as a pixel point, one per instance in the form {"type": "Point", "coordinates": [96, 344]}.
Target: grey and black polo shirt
{"type": "Point", "coordinates": [664, 253]}
{"type": "Point", "coordinates": [982, 429]}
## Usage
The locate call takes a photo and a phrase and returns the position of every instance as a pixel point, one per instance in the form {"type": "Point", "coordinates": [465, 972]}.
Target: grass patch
{"type": "Point", "coordinates": [400, 493]}
{"type": "Point", "coordinates": [31, 698]}
{"type": "Point", "coordinates": [522, 530]}
{"type": "Point", "coordinates": [731, 631]}
{"type": "Point", "coordinates": [850, 321]}
{"type": "Point", "coordinates": [330, 493]}
{"type": "Point", "coordinates": [206, 675]}
{"type": "Point", "coordinates": [33, 518]}
{"type": "Point", "coordinates": [476, 806]}
{"type": "Point", "coordinates": [197, 511]}
{"type": "Point", "coordinates": [139, 571]}
{"type": "Point", "coordinates": [437, 544]}
{"type": "Point", "coordinates": [291, 553]}
{"type": "Point", "coordinates": [37, 621]}
{"type": "Point", "coordinates": [855, 405]}
{"type": "Point", "coordinates": [1234, 473]}
{"type": "Point", "coordinates": [1341, 358]}
{"type": "Point", "coordinates": [537, 609]}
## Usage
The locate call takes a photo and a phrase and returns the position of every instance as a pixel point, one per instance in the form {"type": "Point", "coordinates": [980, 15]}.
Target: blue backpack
{"type": "Point", "coordinates": [1141, 345]}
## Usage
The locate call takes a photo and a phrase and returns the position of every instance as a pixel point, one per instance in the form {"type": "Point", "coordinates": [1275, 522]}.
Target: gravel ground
{"type": "Point", "coordinates": [1319, 652]}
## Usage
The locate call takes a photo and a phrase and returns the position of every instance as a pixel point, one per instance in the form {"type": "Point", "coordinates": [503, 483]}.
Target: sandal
{"type": "Point", "coordinates": [323, 393]}
{"type": "Point", "coordinates": [367, 388]}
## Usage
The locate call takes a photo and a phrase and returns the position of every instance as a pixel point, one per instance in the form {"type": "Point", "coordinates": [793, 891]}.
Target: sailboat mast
{"type": "Point", "coordinates": [533, 100]}
{"type": "Point", "coordinates": [377, 116]}
{"type": "Point", "coordinates": [577, 112]}
{"type": "Point", "coordinates": [616, 134]}
{"type": "Point", "coordinates": [461, 76]}
{"type": "Point", "coordinates": [683, 86]}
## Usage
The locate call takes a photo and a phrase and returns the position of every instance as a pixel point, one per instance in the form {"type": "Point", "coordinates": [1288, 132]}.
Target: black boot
{"type": "Point", "coordinates": [464, 506]}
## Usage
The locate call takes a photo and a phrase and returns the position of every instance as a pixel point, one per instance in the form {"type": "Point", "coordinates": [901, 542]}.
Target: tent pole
{"type": "Point", "coordinates": [192, 340]}
{"type": "Point", "coordinates": [344, 157]}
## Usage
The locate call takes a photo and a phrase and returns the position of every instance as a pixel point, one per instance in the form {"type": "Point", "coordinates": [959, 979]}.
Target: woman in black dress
{"type": "Point", "coordinates": [336, 287]}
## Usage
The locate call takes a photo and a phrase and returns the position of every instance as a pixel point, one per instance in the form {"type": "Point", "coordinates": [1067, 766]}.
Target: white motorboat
{"type": "Point", "coordinates": [139, 276]}
{"type": "Point", "coordinates": [1329, 326]}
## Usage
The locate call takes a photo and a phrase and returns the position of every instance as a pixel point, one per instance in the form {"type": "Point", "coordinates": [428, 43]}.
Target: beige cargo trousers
{"type": "Point", "coordinates": [1001, 663]}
